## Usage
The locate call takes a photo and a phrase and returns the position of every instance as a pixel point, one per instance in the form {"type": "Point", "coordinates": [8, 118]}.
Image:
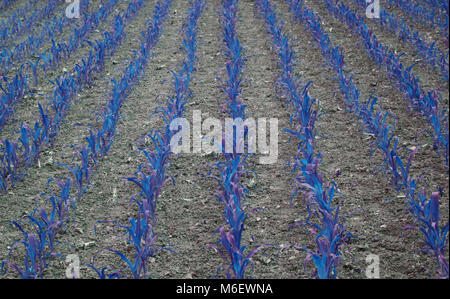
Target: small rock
{"type": "Point", "coordinates": [252, 183]}
{"type": "Point", "coordinates": [88, 245]}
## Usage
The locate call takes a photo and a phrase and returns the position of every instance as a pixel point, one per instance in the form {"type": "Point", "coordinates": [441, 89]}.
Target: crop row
{"type": "Point", "coordinates": [151, 176]}
{"type": "Point", "coordinates": [231, 192]}
{"type": "Point", "coordinates": [39, 244]}
{"type": "Point", "coordinates": [10, 19]}
{"type": "Point", "coordinates": [431, 53]}
{"type": "Point", "coordinates": [25, 151]}
{"type": "Point", "coordinates": [49, 60]}
{"type": "Point", "coordinates": [41, 228]}
{"type": "Point", "coordinates": [15, 28]}
{"type": "Point", "coordinates": [426, 103]}
{"type": "Point", "coordinates": [424, 209]}
{"type": "Point", "coordinates": [34, 41]}
{"type": "Point", "coordinates": [426, 16]}
{"type": "Point", "coordinates": [323, 212]}
{"type": "Point", "coordinates": [53, 56]}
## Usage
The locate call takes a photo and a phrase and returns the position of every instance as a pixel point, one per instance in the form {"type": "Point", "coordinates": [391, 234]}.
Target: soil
{"type": "Point", "coordinates": [188, 213]}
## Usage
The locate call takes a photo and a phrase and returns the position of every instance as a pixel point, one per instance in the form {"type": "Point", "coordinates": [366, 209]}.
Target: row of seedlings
{"type": "Point", "coordinates": [430, 52]}
{"type": "Point", "coordinates": [24, 23]}
{"type": "Point", "coordinates": [48, 60]}
{"type": "Point", "coordinates": [151, 176]}
{"type": "Point", "coordinates": [424, 209]}
{"type": "Point", "coordinates": [231, 193]}
{"type": "Point", "coordinates": [25, 151]}
{"type": "Point", "coordinates": [426, 103]}
{"type": "Point", "coordinates": [39, 243]}
{"type": "Point", "coordinates": [436, 16]}
{"type": "Point", "coordinates": [323, 209]}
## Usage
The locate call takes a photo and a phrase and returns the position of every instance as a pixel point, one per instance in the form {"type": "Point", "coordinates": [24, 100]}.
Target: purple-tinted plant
{"type": "Point", "coordinates": [13, 91]}
{"type": "Point", "coordinates": [39, 245]}
{"type": "Point", "coordinates": [234, 255]}
{"type": "Point", "coordinates": [231, 195]}
{"type": "Point", "coordinates": [68, 85]}
{"type": "Point", "coordinates": [18, 28]}
{"type": "Point", "coordinates": [93, 147]}
{"type": "Point", "coordinates": [105, 134]}
{"type": "Point", "coordinates": [51, 58]}
{"type": "Point", "coordinates": [323, 214]}
{"type": "Point", "coordinates": [13, 20]}
{"type": "Point", "coordinates": [4, 179]}
{"type": "Point", "coordinates": [62, 201]}
{"type": "Point", "coordinates": [432, 54]}
{"type": "Point", "coordinates": [376, 124]}
{"type": "Point", "coordinates": [151, 178]}
{"type": "Point", "coordinates": [138, 231]}
{"type": "Point", "coordinates": [233, 51]}
{"type": "Point", "coordinates": [330, 232]}
{"type": "Point", "coordinates": [9, 160]}
{"type": "Point", "coordinates": [24, 139]}
{"type": "Point", "coordinates": [30, 141]}
{"type": "Point", "coordinates": [399, 171]}
{"type": "Point", "coordinates": [34, 70]}
{"type": "Point", "coordinates": [81, 176]}
{"type": "Point", "coordinates": [426, 16]}
{"type": "Point", "coordinates": [47, 224]}
{"type": "Point", "coordinates": [426, 211]}
{"type": "Point", "coordinates": [100, 52]}
{"type": "Point", "coordinates": [424, 102]}
{"type": "Point", "coordinates": [142, 237]}
{"type": "Point", "coordinates": [231, 192]}
{"type": "Point", "coordinates": [102, 272]}
{"type": "Point", "coordinates": [34, 262]}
